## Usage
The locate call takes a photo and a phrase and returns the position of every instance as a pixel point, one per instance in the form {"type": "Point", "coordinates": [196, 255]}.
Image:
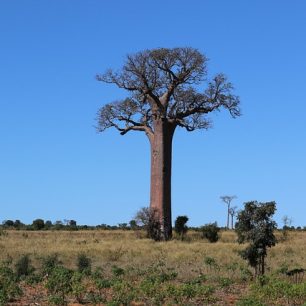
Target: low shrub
{"type": "Point", "coordinates": [23, 266]}
{"type": "Point", "coordinates": [210, 232]}
{"type": "Point", "coordinates": [84, 263]}
{"type": "Point", "coordinates": [59, 283]}
{"type": "Point", "coordinates": [9, 287]}
{"type": "Point", "coordinates": [49, 263]}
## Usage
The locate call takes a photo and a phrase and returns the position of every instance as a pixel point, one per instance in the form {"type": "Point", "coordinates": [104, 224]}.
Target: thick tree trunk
{"type": "Point", "coordinates": [161, 156]}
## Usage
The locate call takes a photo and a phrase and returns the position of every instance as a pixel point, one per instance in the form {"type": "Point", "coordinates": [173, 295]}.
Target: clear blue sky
{"type": "Point", "coordinates": [53, 164]}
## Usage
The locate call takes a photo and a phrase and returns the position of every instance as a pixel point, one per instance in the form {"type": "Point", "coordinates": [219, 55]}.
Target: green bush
{"type": "Point", "coordinates": [9, 287]}
{"type": "Point", "coordinates": [210, 232]}
{"type": "Point", "coordinates": [23, 266]}
{"type": "Point", "coordinates": [38, 224]}
{"type": "Point", "coordinates": [77, 286]}
{"type": "Point", "coordinates": [211, 264]}
{"type": "Point", "coordinates": [180, 226]}
{"type": "Point", "coordinates": [57, 300]}
{"type": "Point", "coordinates": [49, 263]}
{"type": "Point", "coordinates": [117, 271]}
{"type": "Point", "coordinates": [84, 263]}
{"type": "Point", "coordinates": [249, 301]}
{"type": "Point", "coordinates": [59, 282]}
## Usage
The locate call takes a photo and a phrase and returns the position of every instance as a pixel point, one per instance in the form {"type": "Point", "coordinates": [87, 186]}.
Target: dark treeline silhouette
{"type": "Point", "coordinates": [40, 224]}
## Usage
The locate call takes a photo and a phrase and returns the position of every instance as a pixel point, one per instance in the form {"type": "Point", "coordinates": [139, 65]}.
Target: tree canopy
{"type": "Point", "coordinates": [163, 84]}
{"type": "Point", "coordinates": [256, 226]}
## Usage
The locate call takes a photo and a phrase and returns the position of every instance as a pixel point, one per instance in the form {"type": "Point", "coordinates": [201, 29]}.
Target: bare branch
{"type": "Point", "coordinates": [217, 95]}
{"type": "Point", "coordinates": [125, 116]}
{"type": "Point", "coordinates": [161, 85]}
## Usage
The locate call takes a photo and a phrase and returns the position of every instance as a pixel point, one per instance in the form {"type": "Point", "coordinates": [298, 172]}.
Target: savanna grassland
{"type": "Point", "coordinates": [104, 267]}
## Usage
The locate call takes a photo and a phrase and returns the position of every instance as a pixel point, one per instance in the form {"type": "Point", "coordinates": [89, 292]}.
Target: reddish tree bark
{"type": "Point", "coordinates": [161, 160]}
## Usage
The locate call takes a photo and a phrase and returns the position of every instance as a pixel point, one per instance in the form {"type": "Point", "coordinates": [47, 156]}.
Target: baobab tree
{"type": "Point", "coordinates": [228, 200]}
{"type": "Point", "coordinates": [163, 94]}
{"type": "Point", "coordinates": [232, 211]}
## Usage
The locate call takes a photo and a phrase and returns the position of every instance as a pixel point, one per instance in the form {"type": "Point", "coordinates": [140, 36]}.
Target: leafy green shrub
{"type": "Point", "coordinates": [117, 271]}
{"type": "Point", "coordinates": [23, 266]}
{"type": "Point", "coordinates": [49, 263]}
{"type": "Point", "coordinates": [123, 293]}
{"type": "Point", "coordinates": [181, 294]}
{"type": "Point", "coordinates": [249, 301]}
{"type": "Point", "coordinates": [38, 224]}
{"type": "Point", "coordinates": [245, 274]}
{"type": "Point", "coordinates": [84, 263]}
{"type": "Point", "coordinates": [225, 282]}
{"type": "Point", "coordinates": [59, 282]}
{"type": "Point", "coordinates": [9, 288]}
{"type": "Point", "coordinates": [211, 264]}
{"type": "Point", "coordinates": [57, 300]}
{"type": "Point", "coordinates": [280, 291]}
{"type": "Point", "coordinates": [77, 286]}
{"type": "Point", "coordinates": [180, 226]}
{"type": "Point", "coordinates": [255, 225]}
{"type": "Point", "coordinates": [198, 280]}
{"type": "Point", "coordinates": [210, 232]}
{"type": "Point", "coordinates": [101, 284]}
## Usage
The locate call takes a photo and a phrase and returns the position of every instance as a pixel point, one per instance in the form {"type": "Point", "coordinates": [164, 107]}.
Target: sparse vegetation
{"type": "Point", "coordinates": [188, 272]}
{"type": "Point", "coordinates": [255, 226]}
{"type": "Point", "coordinates": [180, 226]}
{"type": "Point", "coordinates": [210, 232]}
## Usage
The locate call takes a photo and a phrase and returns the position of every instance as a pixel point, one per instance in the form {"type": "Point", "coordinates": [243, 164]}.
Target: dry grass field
{"type": "Point", "coordinates": [153, 269]}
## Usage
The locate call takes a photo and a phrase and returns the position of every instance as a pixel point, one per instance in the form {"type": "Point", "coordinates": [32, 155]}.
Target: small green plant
{"type": "Point", "coordinates": [123, 293]}
{"type": "Point", "coordinates": [49, 263]}
{"type": "Point", "coordinates": [211, 264]}
{"type": "Point", "coordinates": [57, 300]}
{"type": "Point", "coordinates": [84, 263]}
{"type": "Point", "coordinates": [23, 266]}
{"type": "Point", "coordinates": [77, 286]}
{"type": "Point", "coordinates": [249, 301]}
{"type": "Point", "coordinates": [9, 287]}
{"type": "Point", "coordinates": [225, 282]}
{"type": "Point", "coordinates": [59, 282]}
{"type": "Point", "coordinates": [117, 271]}
{"type": "Point", "coordinates": [210, 232]}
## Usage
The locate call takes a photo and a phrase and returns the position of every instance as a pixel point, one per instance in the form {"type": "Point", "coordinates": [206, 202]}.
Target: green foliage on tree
{"type": "Point", "coordinates": [210, 232]}
{"type": "Point", "coordinates": [255, 226]}
{"type": "Point", "coordinates": [38, 224]}
{"type": "Point", "coordinates": [180, 226]}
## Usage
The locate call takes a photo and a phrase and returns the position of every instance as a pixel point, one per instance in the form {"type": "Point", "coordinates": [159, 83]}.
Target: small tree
{"type": "Point", "coordinates": [180, 226]}
{"type": "Point", "coordinates": [148, 218]}
{"type": "Point", "coordinates": [255, 225]}
{"type": "Point", "coordinates": [18, 224]}
{"type": "Point", "coordinates": [133, 224]}
{"type": "Point", "coordinates": [48, 224]}
{"type": "Point", "coordinates": [8, 223]}
{"type": "Point", "coordinates": [38, 224]}
{"type": "Point", "coordinates": [210, 232]}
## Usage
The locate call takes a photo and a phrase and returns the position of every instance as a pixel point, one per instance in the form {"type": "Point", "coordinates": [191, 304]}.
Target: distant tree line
{"type": "Point", "coordinates": [139, 223]}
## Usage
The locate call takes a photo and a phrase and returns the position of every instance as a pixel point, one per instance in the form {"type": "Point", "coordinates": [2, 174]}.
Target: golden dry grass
{"type": "Point", "coordinates": [124, 248]}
